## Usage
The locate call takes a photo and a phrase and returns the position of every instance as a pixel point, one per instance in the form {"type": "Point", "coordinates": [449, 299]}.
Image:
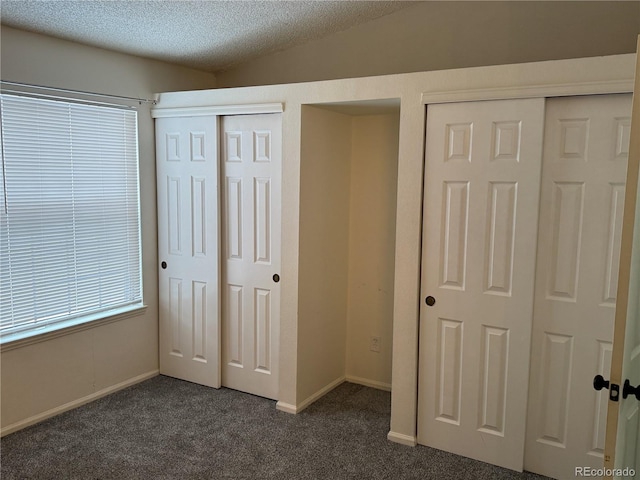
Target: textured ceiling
{"type": "Point", "coordinates": [207, 35]}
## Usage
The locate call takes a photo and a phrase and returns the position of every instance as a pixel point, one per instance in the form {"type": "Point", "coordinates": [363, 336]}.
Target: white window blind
{"type": "Point", "coordinates": [70, 216]}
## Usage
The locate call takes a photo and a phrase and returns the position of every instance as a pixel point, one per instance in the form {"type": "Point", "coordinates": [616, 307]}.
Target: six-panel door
{"type": "Point", "coordinates": [482, 172]}
{"type": "Point", "coordinates": [250, 172]}
{"type": "Point", "coordinates": [584, 168]}
{"type": "Point", "coordinates": [188, 244]}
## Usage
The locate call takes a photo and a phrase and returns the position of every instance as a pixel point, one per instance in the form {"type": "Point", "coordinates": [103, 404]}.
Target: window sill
{"type": "Point", "coordinates": [22, 339]}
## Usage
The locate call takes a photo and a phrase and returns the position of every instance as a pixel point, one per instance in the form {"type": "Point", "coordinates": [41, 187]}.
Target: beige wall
{"type": "Point", "coordinates": [47, 377]}
{"type": "Point", "coordinates": [324, 249]}
{"type": "Point", "coordinates": [444, 35]}
{"type": "Point", "coordinates": [347, 245]}
{"type": "Point", "coordinates": [372, 227]}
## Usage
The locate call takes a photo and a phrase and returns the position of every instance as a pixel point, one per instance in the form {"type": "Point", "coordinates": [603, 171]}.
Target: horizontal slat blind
{"type": "Point", "coordinates": [70, 218]}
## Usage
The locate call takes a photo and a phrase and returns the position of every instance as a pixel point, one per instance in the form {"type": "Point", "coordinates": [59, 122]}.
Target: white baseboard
{"type": "Point", "coordinates": [288, 408]}
{"type": "Point", "coordinates": [320, 393]}
{"type": "Point", "coordinates": [76, 403]}
{"type": "Point", "coordinates": [402, 439]}
{"type": "Point", "coordinates": [369, 383]}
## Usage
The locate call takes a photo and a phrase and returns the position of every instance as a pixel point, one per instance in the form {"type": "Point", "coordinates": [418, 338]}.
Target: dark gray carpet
{"type": "Point", "coordinates": [169, 429]}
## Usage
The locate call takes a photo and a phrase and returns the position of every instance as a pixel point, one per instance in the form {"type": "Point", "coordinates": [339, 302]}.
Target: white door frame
{"type": "Point", "coordinates": [615, 409]}
{"type": "Point", "coordinates": [528, 91]}
{"type": "Point", "coordinates": [217, 110]}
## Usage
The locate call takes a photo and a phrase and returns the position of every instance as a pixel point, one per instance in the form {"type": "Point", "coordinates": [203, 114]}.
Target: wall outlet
{"type": "Point", "coordinates": [374, 344]}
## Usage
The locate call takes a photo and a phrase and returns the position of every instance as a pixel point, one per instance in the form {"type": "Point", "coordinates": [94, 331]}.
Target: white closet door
{"type": "Point", "coordinates": [251, 171]}
{"type": "Point", "coordinates": [583, 182]}
{"type": "Point", "coordinates": [188, 251]}
{"type": "Point", "coordinates": [482, 177]}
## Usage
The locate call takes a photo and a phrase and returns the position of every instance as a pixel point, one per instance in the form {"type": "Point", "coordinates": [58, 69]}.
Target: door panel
{"type": "Point", "coordinates": [482, 174]}
{"type": "Point", "coordinates": [187, 178]}
{"type": "Point", "coordinates": [581, 204]}
{"type": "Point", "coordinates": [251, 166]}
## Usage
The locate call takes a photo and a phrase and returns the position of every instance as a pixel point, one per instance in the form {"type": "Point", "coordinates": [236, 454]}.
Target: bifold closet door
{"type": "Point", "coordinates": [251, 157]}
{"type": "Point", "coordinates": [188, 244]}
{"type": "Point", "coordinates": [482, 179]}
{"type": "Point", "coordinates": [582, 199]}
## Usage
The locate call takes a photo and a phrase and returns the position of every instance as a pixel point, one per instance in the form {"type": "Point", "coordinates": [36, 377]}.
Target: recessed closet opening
{"type": "Point", "coordinates": [348, 187]}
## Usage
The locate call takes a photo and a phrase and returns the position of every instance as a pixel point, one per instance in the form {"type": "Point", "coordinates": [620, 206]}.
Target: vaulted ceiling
{"type": "Point", "coordinates": [206, 35]}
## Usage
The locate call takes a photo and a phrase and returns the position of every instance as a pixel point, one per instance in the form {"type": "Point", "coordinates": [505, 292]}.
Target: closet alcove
{"type": "Point", "coordinates": [348, 188]}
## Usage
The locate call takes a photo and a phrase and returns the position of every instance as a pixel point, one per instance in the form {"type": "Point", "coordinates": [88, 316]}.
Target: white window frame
{"type": "Point", "coordinates": [125, 137]}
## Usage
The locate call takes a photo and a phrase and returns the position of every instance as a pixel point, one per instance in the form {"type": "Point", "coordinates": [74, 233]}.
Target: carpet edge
{"type": "Point", "coordinates": [27, 422]}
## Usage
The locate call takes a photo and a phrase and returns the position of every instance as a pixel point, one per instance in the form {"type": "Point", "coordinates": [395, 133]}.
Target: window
{"type": "Point", "coordinates": [70, 215]}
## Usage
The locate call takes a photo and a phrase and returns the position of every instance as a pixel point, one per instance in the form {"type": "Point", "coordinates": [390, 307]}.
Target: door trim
{"type": "Point", "coordinates": [218, 110]}
{"type": "Point", "coordinates": [624, 274]}
{"type": "Point", "coordinates": [528, 91]}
